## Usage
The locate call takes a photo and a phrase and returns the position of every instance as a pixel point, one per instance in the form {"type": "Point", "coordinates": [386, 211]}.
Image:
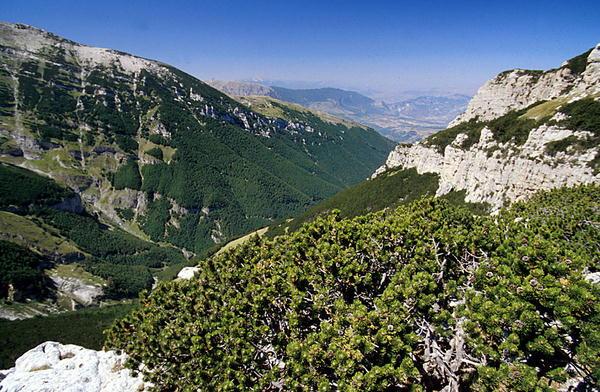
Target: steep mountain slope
{"type": "Point", "coordinates": [406, 120]}
{"type": "Point", "coordinates": [387, 191]}
{"type": "Point", "coordinates": [523, 131]}
{"type": "Point", "coordinates": [519, 88]}
{"type": "Point", "coordinates": [158, 152]}
{"type": "Point", "coordinates": [55, 253]}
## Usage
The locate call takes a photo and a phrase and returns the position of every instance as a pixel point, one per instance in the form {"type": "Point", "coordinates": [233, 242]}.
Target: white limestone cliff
{"type": "Point", "coordinates": [504, 176]}
{"type": "Point", "coordinates": [517, 89]}
{"type": "Point", "coordinates": [499, 173]}
{"type": "Point", "coordinates": [52, 366]}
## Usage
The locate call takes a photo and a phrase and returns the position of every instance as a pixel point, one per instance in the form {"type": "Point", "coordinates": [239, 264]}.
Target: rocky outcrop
{"type": "Point", "coordinates": [504, 175]}
{"type": "Point", "coordinates": [188, 273]}
{"type": "Point", "coordinates": [52, 366]}
{"type": "Point", "coordinates": [497, 172]}
{"type": "Point", "coordinates": [80, 292]}
{"type": "Point", "coordinates": [517, 89]}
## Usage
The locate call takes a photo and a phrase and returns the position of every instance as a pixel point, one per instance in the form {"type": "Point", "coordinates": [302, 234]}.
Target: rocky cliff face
{"type": "Point", "coordinates": [524, 131]}
{"type": "Point", "coordinates": [518, 88]}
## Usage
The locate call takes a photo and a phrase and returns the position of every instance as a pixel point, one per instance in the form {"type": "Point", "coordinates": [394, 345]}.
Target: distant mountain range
{"type": "Point", "coordinates": [404, 121]}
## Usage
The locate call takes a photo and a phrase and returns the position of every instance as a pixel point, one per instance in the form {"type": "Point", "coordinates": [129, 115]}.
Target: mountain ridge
{"type": "Point", "coordinates": [519, 88]}
{"type": "Point", "coordinates": [116, 114]}
{"type": "Point", "coordinates": [405, 120]}
{"type": "Point", "coordinates": [156, 166]}
{"type": "Point", "coordinates": [522, 132]}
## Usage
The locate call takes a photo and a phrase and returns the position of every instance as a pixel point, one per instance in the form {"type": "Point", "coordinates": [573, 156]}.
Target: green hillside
{"type": "Point", "coordinates": [386, 191]}
{"type": "Point", "coordinates": [40, 231]}
{"type": "Point", "coordinates": [185, 163]}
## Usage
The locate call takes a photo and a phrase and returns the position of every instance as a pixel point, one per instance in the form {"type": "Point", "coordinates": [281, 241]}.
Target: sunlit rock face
{"type": "Point", "coordinates": [498, 172]}
{"type": "Point", "coordinates": [52, 366]}
{"type": "Point", "coordinates": [517, 89]}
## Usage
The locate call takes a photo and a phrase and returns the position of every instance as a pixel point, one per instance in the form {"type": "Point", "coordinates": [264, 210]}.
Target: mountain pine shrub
{"type": "Point", "coordinates": [426, 297]}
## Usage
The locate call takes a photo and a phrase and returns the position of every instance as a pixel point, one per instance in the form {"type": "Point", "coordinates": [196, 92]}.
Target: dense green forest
{"type": "Point", "coordinates": [222, 169]}
{"type": "Point", "coordinates": [423, 297]}
{"type": "Point", "coordinates": [125, 261]}
{"type": "Point", "coordinates": [22, 189]}
{"type": "Point", "coordinates": [19, 270]}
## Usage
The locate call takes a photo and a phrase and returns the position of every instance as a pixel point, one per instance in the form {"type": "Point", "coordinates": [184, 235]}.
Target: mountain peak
{"type": "Point", "coordinates": [524, 131]}
{"type": "Point", "coordinates": [29, 41]}
{"type": "Point", "coordinates": [518, 88]}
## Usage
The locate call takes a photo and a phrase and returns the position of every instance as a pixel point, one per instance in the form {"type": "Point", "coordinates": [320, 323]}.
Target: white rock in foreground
{"type": "Point", "coordinates": [188, 273]}
{"type": "Point", "coordinates": [52, 366]}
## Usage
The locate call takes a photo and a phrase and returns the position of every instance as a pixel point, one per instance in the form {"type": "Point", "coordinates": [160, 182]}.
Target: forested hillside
{"type": "Point", "coordinates": [159, 153]}
{"type": "Point", "coordinates": [43, 224]}
{"type": "Point", "coordinates": [387, 191]}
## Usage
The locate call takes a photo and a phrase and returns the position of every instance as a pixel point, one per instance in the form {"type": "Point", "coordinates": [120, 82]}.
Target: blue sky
{"type": "Point", "coordinates": [384, 46]}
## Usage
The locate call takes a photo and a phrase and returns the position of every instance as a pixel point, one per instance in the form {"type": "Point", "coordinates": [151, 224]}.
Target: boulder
{"type": "Point", "coordinates": [188, 273]}
{"type": "Point", "coordinates": [52, 366]}
{"type": "Point", "coordinates": [84, 293]}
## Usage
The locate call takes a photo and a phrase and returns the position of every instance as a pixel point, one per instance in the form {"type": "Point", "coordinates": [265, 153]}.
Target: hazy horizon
{"type": "Point", "coordinates": [383, 49]}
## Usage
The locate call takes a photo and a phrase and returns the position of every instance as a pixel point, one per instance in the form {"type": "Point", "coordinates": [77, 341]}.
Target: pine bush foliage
{"type": "Point", "coordinates": [423, 298]}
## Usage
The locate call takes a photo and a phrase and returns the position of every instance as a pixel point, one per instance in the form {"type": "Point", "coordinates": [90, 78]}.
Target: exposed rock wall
{"type": "Point", "coordinates": [504, 175]}
{"type": "Point", "coordinates": [499, 173]}
{"type": "Point", "coordinates": [517, 89]}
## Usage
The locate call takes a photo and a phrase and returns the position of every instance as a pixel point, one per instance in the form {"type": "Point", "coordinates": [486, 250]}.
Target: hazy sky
{"type": "Point", "coordinates": [389, 46]}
